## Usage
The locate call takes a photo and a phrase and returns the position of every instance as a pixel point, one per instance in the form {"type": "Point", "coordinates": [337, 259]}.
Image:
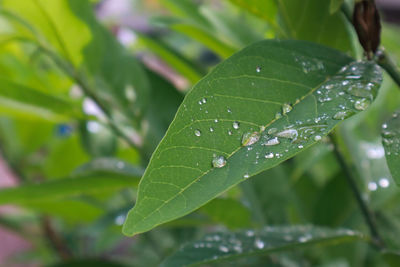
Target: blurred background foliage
{"type": "Point", "coordinates": [88, 89]}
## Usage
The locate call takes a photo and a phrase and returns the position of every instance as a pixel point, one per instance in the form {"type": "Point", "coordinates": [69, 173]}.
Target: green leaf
{"type": "Point", "coordinates": [311, 21]}
{"type": "Point", "coordinates": [64, 188]}
{"type": "Point", "coordinates": [335, 6]}
{"type": "Point", "coordinates": [391, 143]}
{"type": "Point", "coordinates": [20, 100]}
{"type": "Point", "coordinates": [286, 92]}
{"type": "Point", "coordinates": [218, 247]}
{"type": "Point", "coordinates": [266, 10]}
{"type": "Point", "coordinates": [205, 37]}
{"type": "Point", "coordinates": [173, 58]}
{"type": "Point", "coordinates": [98, 59]}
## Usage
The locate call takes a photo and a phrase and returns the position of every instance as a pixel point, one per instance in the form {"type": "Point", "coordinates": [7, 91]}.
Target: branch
{"type": "Point", "coordinates": [367, 213]}
{"type": "Point", "coordinates": [55, 240]}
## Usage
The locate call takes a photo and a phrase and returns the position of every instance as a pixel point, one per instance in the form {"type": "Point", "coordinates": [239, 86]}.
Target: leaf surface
{"type": "Point", "coordinates": [252, 112]}
{"type": "Point", "coordinates": [227, 246]}
{"type": "Point", "coordinates": [391, 143]}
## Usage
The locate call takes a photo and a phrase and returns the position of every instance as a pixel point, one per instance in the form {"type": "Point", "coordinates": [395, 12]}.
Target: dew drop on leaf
{"type": "Point", "coordinates": [286, 108]}
{"type": "Point", "coordinates": [278, 115]}
{"type": "Point", "coordinates": [246, 175]}
{"type": "Point", "coordinates": [223, 249]}
{"type": "Point", "coordinates": [362, 104]}
{"type": "Point", "coordinates": [272, 142]}
{"type": "Point", "coordinates": [288, 133]}
{"type": "Point", "coordinates": [269, 155]}
{"type": "Point", "coordinates": [317, 138]}
{"type": "Point", "coordinates": [250, 138]}
{"type": "Point", "coordinates": [197, 133]}
{"type": "Point", "coordinates": [258, 243]}
{"type": "Point", "coordinates": [236, 125]}
{"type": "Point", "coordinates": [218, 162]}
{"type": "Point", "coordinates": [272, 130]}
{"type": "Point", "coordinates": [344, 114]}
{"type": "Point", "coordinates": [258, 69]}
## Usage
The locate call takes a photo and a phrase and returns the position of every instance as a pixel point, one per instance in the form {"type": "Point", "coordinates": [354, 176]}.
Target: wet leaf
{"type": "Point", "coordinates": [286, 94]}
{"type": "Point", "coordinates": [227, 246]}
{"type": "Point", "coordinates": [391, 143]}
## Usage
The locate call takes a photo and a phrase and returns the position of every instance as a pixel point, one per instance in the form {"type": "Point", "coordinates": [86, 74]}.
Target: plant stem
{"type": "Point", "coordinates": [55, 239]}
{"type": "Point", "coordinates": [367, 213]}
{"type": "Point", "coordinates": [389, 65]}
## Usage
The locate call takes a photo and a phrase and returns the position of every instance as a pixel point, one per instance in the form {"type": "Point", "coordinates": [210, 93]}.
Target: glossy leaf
{"type": "Point", "coordinates": [63, 188]}
{"type": "Point", "coordinates": [171, 57]}
{"type": "Point", "coordinates": [100, 60]}
{"type": "Point", "coordinates": [311, 21]}
{"type": "Point", "coordinates": [228, 246]}
{"type": "Point", "coordinates": [266, 10]}
{"type": "Point", "coordinates": [274, 97]}
{"type": "Point", "coordinates": [27, 102]}
{"type": "Point", "coordinates": [391, 143]}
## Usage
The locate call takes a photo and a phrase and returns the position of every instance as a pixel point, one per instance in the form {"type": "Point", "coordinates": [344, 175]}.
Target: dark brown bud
{"type": "Point", "coordinates": [367, 23]}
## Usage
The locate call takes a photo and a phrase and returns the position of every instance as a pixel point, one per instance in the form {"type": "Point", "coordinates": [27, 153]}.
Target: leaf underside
{"type": "Point", "coordinates": [391, 143]}
{"type": "Point", "coordinates": [227, 246]}
{"type": "Point", "coordinates": [283, 95]}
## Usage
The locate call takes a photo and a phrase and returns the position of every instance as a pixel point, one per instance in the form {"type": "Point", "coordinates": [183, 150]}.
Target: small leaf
{"type": "Point", "coordinates": [63, 188]}
{"type": "Point", "coordinates": [19, 99]}
{"type": "Point", "coordinates": [391, 143]}
{"type": "Point", "coordinates": [227, 246]}
{"type": "Point", "coordinates": [312, 21]}
{"type": "Point", "coordinates": [289, 92]}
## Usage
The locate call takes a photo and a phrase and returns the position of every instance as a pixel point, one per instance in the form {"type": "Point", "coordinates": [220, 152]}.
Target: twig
{"type": "Point", "coordinates": [55, 240]}
{"type": "Point", "coordinates": [367, 213]}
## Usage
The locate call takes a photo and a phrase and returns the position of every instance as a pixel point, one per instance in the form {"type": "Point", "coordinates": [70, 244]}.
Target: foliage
{"type": "Point", "coordinates": [264, 137]}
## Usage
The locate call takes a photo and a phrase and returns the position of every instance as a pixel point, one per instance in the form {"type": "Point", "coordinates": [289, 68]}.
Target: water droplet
{"type": "Point", "coordinates": [211, 129]}
{"type": "Point", "coordinates": [384, 126]}
{"type": "Point", "coordinates": [372, 186]}
{"type": "Point", "coordinates": [236, 125]}
{"type": "Point", "coordinates": [341, 115]}
{"type": "Point", "coordinates": [278, 115]}
{"type": "Point", "coordinates": [362, 104]}
{"type": "Point", "coordinates": [249, 233]}
{"type": "Point", "coordinates": [229, 132]}
{"type": "Point", "coordinates": [384, 182]}
{"type": "Point", "coordinates": [258, 243]}
{"type": "Point", "coordinates": [258, 69]}
{"type": "Point", "coordinates": [216, 120]}
{"type": "Point", "coordinates": [219, 162]}
{"type": "Point", "coordinates": [197, 133]}
{"type": "Point", "coordinates": [246, 175]}
{"type": "Point", "coordinates": [223, 249]}
{"type": "Point", "coordinates": [272, 130]}
{"type": "Point", "coordinates": [286, 108]}
{"type": "Point", "coordinates": [300, 146]}
{"type": "Point", "coordinates": [229, 110]}
{"type": "Point", "coordinates": [250, 138]}
{"type": "Point", "coordinates": [288, 133]}
{"type": "Point", "coordinates": [317, 138]}
{"type": "Point", "coordinates": [272, 142]}
{"type": "Point", "coordinates": [204, 100]}
{"type": "Point", "coordinates": [269, 155]}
